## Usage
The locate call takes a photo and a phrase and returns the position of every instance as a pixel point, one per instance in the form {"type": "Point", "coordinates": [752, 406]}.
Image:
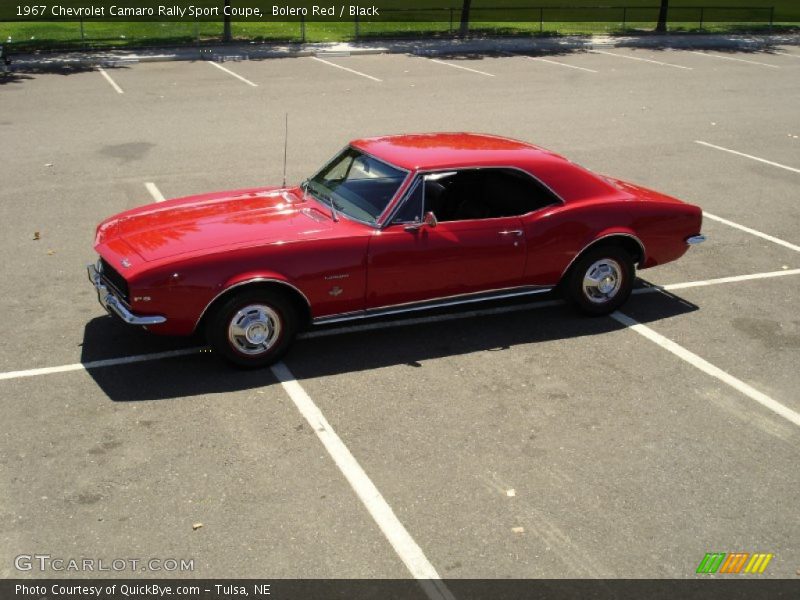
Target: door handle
{"type": "Point", "coordinates": [516, 232]}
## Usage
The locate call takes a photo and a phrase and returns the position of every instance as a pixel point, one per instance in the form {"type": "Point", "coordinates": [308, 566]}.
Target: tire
{"type": "Point", "coordinates": [601, 280]}
{"type": "Point", "coordinates": [253, 328]}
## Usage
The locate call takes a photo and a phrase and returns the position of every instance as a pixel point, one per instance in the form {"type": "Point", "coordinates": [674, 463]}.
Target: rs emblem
{"type": "Point", "coordinates": [335, 290]}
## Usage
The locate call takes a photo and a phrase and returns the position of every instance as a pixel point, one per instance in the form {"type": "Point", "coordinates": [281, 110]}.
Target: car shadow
{"type": "Point", "coordinates": [340, 350]}
{"type": "Point", "coordinates": [7, 77]}
{"type": "Point", "coordinates": [723, 43]}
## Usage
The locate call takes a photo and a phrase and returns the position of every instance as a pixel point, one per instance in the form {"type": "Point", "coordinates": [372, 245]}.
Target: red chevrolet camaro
{"type": "Point", "coordinates": [389, 225]}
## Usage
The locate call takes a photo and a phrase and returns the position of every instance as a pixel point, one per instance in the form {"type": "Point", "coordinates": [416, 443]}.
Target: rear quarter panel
{"type": "Point", "coordinates": [663, 222]}
{"type": "Point", "coordinates": [557, 235]}
{"type": "Point", "coordinates": [663, 228]}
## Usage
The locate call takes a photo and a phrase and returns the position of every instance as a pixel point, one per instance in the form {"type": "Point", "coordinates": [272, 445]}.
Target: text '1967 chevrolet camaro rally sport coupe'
{"type": "Point", "coordinates": [391, 224]}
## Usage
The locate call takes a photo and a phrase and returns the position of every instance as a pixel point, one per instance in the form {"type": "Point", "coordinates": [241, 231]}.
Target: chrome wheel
{"type": "Point", "coordinates": [602, 281]}
{"type": "Point", "coordinates": [254, 329]}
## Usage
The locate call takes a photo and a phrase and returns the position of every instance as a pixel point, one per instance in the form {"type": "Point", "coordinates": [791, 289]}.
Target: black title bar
{"type": "Point", "coordinates": [729, 588]}
{"type": "Point", "coordinates": [430, 11]}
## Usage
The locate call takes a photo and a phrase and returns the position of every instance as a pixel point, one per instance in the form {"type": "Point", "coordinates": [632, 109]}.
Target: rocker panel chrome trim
{"type": "Point", "coordinates": [434, 303]}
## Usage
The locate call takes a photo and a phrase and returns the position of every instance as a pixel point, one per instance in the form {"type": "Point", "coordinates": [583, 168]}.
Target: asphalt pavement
{"type": "Point", "coordinates": [515, 441]}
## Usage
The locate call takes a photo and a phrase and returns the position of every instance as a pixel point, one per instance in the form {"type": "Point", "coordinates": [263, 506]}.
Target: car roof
{"type": "Point", "coordinates": [454, 150]}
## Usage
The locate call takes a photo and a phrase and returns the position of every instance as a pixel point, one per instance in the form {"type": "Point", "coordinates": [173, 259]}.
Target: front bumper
{"type": "Point", "coordinates": [114, 306]}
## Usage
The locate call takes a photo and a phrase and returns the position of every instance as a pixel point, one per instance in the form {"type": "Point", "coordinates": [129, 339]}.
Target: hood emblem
{"type": "Point", "coordinates": [125, 262]}
{"type": "Point", "coordinates": [335, 291]}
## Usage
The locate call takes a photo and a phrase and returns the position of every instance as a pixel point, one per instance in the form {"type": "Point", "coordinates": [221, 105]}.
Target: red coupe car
{"type": "Point", "coordinates": [389, 225]}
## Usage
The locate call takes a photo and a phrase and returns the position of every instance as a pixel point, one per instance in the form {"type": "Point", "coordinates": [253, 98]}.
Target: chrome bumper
{"type": "Point", "coordinates": [114, 306]}
{"type": "Point", "coordinates": [695, 239]}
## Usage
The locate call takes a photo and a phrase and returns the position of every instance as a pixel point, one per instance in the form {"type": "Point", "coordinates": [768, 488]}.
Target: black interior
{"type": "Point", "coordinates": [485, 194]}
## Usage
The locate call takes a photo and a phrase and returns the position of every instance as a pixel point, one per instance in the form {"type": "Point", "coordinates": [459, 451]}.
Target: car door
{"type": "Point", "coordinates": [412, 261]}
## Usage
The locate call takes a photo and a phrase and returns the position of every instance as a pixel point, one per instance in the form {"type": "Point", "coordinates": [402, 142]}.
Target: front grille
{"type": "Point", "coordinates": [115, 280]}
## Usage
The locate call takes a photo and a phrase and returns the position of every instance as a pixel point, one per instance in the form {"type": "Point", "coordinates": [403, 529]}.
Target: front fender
{"type": "Point", "coordinates": [248, 276]}
{"type": "Point", "coordinates": [244, 279]}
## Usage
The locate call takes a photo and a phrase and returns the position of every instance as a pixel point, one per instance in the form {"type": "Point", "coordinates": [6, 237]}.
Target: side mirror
{"type": "Point", "coordinates": [429, 220]}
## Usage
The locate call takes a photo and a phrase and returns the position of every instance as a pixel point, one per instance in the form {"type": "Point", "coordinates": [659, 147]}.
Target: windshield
{"type": "Point", "coordinates": [356, 184]}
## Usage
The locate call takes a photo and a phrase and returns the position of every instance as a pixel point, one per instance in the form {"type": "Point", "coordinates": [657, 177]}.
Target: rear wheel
{"type": "Point", "coordinates": [601, 280]}
{"type": "Point", "coordinates": [254, 328]}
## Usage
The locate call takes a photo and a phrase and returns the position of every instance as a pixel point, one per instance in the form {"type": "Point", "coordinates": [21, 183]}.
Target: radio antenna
{"type": "Point", "coordinates": [285, 146]}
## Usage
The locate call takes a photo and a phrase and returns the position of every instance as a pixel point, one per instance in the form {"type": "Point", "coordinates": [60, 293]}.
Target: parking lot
{"type": "Point", "coordinates": [510, 440]}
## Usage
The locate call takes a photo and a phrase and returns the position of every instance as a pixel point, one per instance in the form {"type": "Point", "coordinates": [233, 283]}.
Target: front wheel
{"type": "Point", "coordinates": [253, 329]}
{"type": "Point", "coordinates": [601, 280]}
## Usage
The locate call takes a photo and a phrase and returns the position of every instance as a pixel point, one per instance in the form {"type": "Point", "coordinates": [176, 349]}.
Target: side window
{"type": "Point", "coordinates": [485, 194]}
{"type": "Point", "coordinates": [513, 193]}
{"type": "Point", "coordinates": [411, 211]}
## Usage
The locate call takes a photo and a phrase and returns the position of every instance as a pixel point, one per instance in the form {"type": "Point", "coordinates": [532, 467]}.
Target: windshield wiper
{"type": "Point", "coordinates": [331, 202]}
{"type": "Point", "coordinates": [335, 209]}
{"type": "Point", "coordinates": [325, 198]}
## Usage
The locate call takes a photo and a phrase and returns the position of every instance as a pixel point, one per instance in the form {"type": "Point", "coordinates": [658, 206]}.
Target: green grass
{"type": "Point", "coordinates": [486, 20]}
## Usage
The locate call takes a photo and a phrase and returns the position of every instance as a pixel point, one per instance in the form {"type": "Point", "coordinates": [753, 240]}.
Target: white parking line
{"type": "Point", "coordinates": [750, 156]}
{"type": "Point", "coordinates": [111, 362]}
{"type": "Point", "coordinates": [99, 364]}
{"type": "Point", "coordinates": [229, 72]}
{"type": "Point", "coordinates": [447, 64]}
{"type": "Point", "coordinates": [109, 80]}
{"type": "Point", "coordinates": [655, 62]}
{"type": "Point", "coordinates": [404, 545]}
{"type": "Point", "coordinates": [705, 282]}
{"type": "Point", "coordinates": [755, 232]}
{"type": "Point", "coordinates": [560, 64]}
{"type": "Point", "coordinates": [154, 191]}
{"type": "Point", "coordinates": [705, 366]}
{"type": "Point", "coordinates": [327, 62]}
{"type": "Point", "coordinates": [752, 62]}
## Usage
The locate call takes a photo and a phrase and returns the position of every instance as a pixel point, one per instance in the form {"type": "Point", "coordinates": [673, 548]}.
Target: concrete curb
{"type": "Point", "coordinates": [425, 47]}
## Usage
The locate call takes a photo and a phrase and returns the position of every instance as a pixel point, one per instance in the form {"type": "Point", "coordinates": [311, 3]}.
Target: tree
{"type": "Point", "coordinates": [465, 17]}
{"type": "Point", "coordinates": [661, 27]}
{"type": "Point", "coordinates": [226, 27]}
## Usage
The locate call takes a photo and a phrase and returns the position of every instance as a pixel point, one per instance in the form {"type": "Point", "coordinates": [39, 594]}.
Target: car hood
{"type": "Point", "coordinates": [216, 221]}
